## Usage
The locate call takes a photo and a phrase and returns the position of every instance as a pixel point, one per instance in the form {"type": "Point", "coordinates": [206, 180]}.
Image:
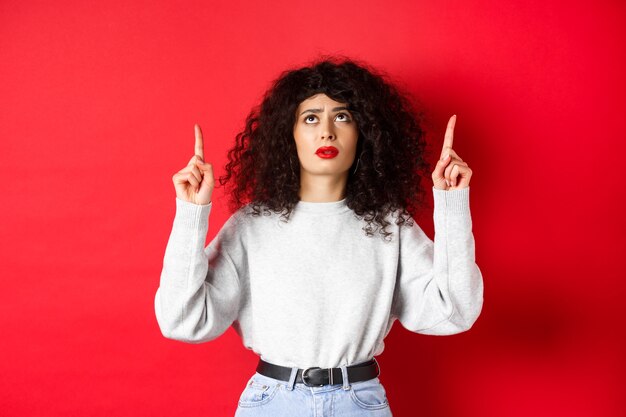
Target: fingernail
{"type": "Point", "coordinates": [445, 157]}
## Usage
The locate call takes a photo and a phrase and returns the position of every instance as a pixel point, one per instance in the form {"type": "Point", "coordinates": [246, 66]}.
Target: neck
{"type": "Point", "coordinates": [322, 188]}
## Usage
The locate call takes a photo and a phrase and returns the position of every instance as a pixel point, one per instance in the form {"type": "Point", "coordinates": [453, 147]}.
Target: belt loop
{"type": "Point", "coordinates": [292, 378]}
{"type": "Point", "coordinates": [344, 376]}
{"type": "Point", "coordinates": [377, 368]}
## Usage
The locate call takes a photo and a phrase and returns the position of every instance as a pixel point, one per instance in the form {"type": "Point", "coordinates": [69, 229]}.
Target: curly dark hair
{"type": "Point", "coordinates": [264, 162]}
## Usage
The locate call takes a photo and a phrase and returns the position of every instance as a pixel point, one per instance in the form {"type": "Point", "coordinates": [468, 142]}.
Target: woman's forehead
{"type": "Point", "coordinates": [320, 98]}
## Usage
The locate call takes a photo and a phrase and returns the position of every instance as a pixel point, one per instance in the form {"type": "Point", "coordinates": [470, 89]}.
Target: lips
{"type": "Point", "coordinates": [327, 152]}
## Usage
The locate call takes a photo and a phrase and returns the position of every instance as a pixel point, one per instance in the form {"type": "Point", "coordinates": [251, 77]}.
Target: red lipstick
{"type": "Point", "coordinates": [327, 152]}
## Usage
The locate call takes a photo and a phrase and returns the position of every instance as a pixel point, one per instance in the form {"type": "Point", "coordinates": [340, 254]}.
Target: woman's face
{"type": "Point", "coordinates": [322, 122]}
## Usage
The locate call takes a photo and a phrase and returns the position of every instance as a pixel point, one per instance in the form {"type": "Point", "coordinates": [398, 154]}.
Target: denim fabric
{"type": "Point", "coordinates": [268, 397]}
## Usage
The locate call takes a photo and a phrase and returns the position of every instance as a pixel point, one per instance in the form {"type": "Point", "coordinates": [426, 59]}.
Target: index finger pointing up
{"type": "Point", "coordinates": [199, 149]}
{"type": "Point", "coordinates": [449, 137]}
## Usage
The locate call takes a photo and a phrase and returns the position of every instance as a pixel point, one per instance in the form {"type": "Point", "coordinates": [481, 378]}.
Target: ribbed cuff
{"type": "Point", "coordinates": [192, 215]}
{"type": "Point", "coordinates": [452, 201]}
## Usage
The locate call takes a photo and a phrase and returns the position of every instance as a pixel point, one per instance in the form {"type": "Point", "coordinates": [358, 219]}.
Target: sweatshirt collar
{"type": "Point", "coordinates": [324, 208]}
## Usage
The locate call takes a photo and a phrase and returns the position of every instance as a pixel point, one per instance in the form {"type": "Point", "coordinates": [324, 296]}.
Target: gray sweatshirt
{"type": "Point", "coordinates": [316, 291]}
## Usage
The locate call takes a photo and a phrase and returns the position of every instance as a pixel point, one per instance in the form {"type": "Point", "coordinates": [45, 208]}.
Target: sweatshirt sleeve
{"type": "Point", "coordinates": [440, 288]}
{"type": "Point", "coordinates": [198, 295]}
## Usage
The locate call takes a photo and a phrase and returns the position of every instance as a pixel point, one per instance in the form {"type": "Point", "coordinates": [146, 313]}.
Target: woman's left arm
{"type": "Point", "coordinates": [440, 287]}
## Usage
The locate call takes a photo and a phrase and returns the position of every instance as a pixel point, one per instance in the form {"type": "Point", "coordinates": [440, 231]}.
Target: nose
{"type": "Point", "coordinates": [327, 131]}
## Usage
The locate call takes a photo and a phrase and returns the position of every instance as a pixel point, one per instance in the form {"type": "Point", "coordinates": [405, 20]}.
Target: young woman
{"type": "Point", "coordinates": [322, 254]}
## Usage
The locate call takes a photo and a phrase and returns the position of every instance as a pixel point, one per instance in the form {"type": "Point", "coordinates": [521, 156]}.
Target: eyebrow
{"type": "Point", "coordinates": [321, 110]}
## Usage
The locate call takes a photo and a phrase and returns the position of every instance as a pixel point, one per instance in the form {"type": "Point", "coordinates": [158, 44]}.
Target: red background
{"type": "Point", "coordinates": [98, 102]}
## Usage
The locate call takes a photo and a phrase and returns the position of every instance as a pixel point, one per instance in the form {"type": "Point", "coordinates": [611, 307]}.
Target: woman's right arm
{"type": "Point", "coordinates": [199, 292]}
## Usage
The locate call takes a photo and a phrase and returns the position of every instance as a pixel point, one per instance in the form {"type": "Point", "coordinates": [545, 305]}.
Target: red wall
{"type": "Point", "coordinates": [97, 106]}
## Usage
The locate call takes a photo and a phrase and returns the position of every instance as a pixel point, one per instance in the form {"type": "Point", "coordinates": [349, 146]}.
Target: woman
{"type": "Point", "coordinates": [322, 254]}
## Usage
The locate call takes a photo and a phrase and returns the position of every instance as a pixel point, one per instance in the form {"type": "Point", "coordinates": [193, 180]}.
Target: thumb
{"type": "Point", "coordinates": [438, 177]}
{"type": "Point", "coordinates": [438, 172]}
{"type": "Point", "coordinates": [207, 173]}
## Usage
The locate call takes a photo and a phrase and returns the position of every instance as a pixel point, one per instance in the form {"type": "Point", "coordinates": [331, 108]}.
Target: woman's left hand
{"type": "Point", "coordinates": [451, 173]}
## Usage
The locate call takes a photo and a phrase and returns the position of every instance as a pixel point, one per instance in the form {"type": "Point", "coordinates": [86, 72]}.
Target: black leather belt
{"type": "Point", "coordinates": [318, 377]}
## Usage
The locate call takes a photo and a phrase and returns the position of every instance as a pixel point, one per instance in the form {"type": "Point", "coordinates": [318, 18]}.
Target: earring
{"type": "Point", "coordinates": [357, 165]}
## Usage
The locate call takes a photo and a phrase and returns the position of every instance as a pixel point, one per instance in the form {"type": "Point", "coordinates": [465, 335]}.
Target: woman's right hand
{"type": "Point", "coordinates": [195, 182]}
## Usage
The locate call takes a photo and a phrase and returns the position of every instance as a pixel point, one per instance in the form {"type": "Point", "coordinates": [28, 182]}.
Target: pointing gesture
{"type": "Point", "coordinates": [199, 142]}
{"type": "Point", "coordinates": [195, 182]}
{"type": "Point", "coordinates": [450, 173]}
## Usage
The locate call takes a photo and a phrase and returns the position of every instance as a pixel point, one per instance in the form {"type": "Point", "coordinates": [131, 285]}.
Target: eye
{"type": "Point", "coordinates": [346, 118]}
{"type": "Point", "coordinates": [307, 118]}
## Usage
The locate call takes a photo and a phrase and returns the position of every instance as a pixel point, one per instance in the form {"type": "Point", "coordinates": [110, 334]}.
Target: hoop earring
{"type": "Point", "coordinates": [357, 161]}
{"type": "Point", "coordinates": [357, 165]}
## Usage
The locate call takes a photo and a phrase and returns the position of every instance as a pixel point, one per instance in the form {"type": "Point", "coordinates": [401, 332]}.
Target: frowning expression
{"type": "Point", "coordinates": [326, 136]}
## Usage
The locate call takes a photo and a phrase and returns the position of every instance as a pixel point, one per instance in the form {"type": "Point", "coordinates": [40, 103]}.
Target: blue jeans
{"type": "Point", "coordinates": [268, 397]}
